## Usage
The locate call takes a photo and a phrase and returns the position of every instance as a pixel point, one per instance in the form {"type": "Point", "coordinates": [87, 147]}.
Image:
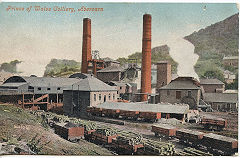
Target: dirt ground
{"type": "Point", "coordinates": [16, 124]}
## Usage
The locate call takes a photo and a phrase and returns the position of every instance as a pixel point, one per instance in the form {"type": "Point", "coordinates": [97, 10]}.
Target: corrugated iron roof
{"type": "Point", "coordinates": [210, 81]}
{"type": "Point", "coordinates": [221, 97]}
{"type": "Point", "coordinates": [43, 81]}
{"type": "Point", "coordinates": [163, 108]}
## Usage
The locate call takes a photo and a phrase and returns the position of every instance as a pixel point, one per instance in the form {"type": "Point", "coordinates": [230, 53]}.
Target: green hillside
{"type": "Point", "coordinates": [62, 67]}
{"type": "Point", "coordinates": [159, 53]}
{"type": "Point", "coordinates": [213, 43]}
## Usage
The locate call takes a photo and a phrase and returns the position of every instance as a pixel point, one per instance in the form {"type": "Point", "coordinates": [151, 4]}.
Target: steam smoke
{"type": "Point", "coordinates": [28, 68]}
{"type": "Point", "coordinates": [182, 52]}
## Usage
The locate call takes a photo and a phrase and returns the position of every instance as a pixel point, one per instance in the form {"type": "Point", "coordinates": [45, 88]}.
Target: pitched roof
{"type": "Point", "coordinates": [210, 81]}
{"type": "Point", "coordinates": [164, 108]}
{"type": "Point", "coordinates": [221, 97]}
{"type": "Point", "coordinates": [91, 84]}
{"type": "Point", "coordinates": [112, 68]}
{"type": "Point", "coordinates": [182, 83]}
{"type": "Point", "coordinates": [43, 81]}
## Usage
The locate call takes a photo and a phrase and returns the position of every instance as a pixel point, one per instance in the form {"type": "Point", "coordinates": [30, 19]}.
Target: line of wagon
{"type": "Point", "coordinates": [216, 144]}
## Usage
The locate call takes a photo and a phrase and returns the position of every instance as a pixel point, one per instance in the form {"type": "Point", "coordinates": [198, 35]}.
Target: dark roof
{"type": "Point", "coordinates": [221, 97]}
{"type": "Point", "coordinates": [182, 83]}
{"type": "Point", "coordinates": [80, 75]}
{"type": "Point", "coordinates": [164, 108]}
{"type": "Point", "coordinates": [210, 81]}
{"type": "Point", "coordinates": [112, 68]}
{"type": "Point", "coordinates": [91, 84]}
{"type": "Point", "coordinates": [43, 81]}
{"type": "Point", "coordinates": [118, 83]}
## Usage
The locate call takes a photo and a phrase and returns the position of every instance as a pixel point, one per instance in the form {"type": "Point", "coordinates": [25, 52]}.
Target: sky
{"type": "Point", "coordinates": [35, 37]}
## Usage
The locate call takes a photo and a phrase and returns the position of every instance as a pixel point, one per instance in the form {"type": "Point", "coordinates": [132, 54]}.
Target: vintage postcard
{"type": "Point", "coordinates": [122, 78]}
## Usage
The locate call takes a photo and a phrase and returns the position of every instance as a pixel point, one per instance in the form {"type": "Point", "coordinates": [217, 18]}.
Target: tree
{"type": "Point", "coordinates": [214, 74]}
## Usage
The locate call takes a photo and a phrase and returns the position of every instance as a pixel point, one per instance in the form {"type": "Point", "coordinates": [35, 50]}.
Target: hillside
{"type": "Point", "coordinates": [214, 42]}
{"type": "Point", "coordinates": [158, 54]}
{"type": "Point", "coordinates": [61, 67]}
{"type": "Point", "coordinates": [21, 132]}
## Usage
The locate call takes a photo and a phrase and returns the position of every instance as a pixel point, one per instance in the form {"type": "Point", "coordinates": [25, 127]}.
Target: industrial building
{"type": "Point", "coordinates": [212, 85]}
{"type": "Point", "coordinates": [222, 101]}
{"type": "Point", "coordinates": [230, 61]}
{"type": "Point", "coordinates": [30, 91]}
{"type": "Point", "coordinates": [125, 90]}
{"type": "Point", "coordinates": [181, 90]}
{"type": "Point", "coordinates": [111, 73]}
{"type": "Point", "coordinates": [87, 92]}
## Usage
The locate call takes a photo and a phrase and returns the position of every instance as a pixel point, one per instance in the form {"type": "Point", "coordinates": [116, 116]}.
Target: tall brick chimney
{"type": "Point", "coordinates": [164, 73]}
{"type": "Point", "coordinates": [146, 58]}
{"type": "Point", "coordinates": [86, 44]}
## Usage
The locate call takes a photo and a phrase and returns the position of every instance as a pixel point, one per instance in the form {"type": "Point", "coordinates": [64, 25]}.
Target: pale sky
{"type": "Point", "coordinates": [37, 37]}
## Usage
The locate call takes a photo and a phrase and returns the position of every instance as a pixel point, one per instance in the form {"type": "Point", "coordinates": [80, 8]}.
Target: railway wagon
{"type": "Point", "coordinates": [94, 111]}
{"type": "Point", "coordinates": [151, 116]}
{"type": "Point", "coordinates": [111, 112]}
{"type": "Point", "coordinates": [129, 114]}
{"type": "Point", "coordinates": [164, 129]}
{"type": "Point", "coordinates": [103, 139]}
{"type": "Point", "coordinates": [124, 147]}
{"type": "Point", "coordinates": [189, 136]}
{"type": "Point", "coordinates": [213, 123]}
{"type": "Point", "coordinates": [225, 144]}
{"type": "Point", "coordinates": [69, 131]}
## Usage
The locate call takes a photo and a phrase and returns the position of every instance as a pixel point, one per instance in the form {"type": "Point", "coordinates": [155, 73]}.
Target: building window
{"type": "Point", "coordinates": [113, 96]}
{"type": "Point", "coordinates": [120, 87]}
{"type": "Point", "coordinates": [95, 97]}
{"type": "Point", "coordinates": [39, 88]}
{"type": "Point", "coordinates": [100, 97]}
{"type": "Point", "coordinates": [104, 99]}
{"type": "Point", "coordinates": [178, 94]}
{"type": "Point", "coordinates": [48, 89]}
{"type": "Point", "coordinates": [58, 88]}
{"type": "Point", "coordinates": [189, 93]}
{"type": "Point", "coordinates": [168, 92]}
{"type": "Point", "coordinates": [109, 96]}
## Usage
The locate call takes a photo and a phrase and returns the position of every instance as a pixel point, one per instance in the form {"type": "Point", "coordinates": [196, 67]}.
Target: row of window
{"type": "Point", "coordinates": [104, 97]}
{"type": "Point", "coordinates": [39, 88]}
